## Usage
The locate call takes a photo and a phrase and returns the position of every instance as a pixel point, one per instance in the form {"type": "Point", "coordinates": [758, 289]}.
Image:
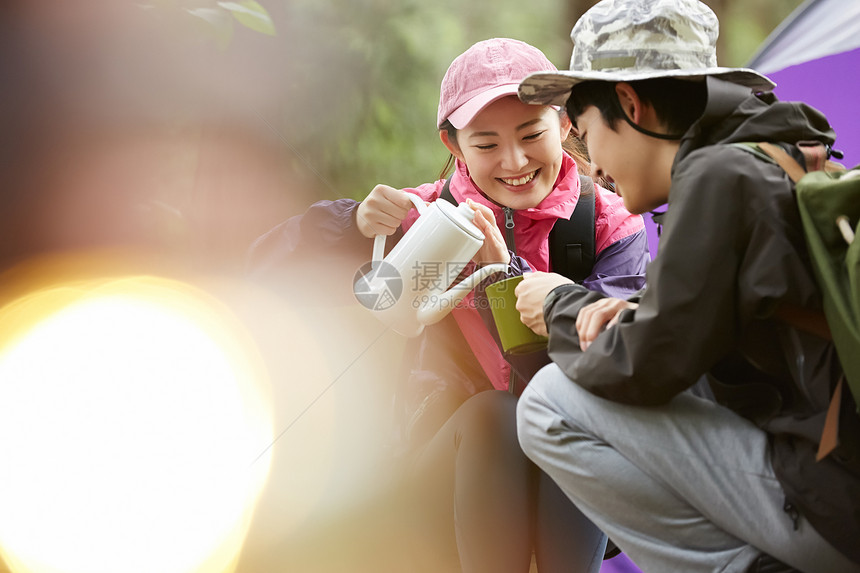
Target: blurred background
{"type": "Point", "coordinates": [363, 108]}
{"type": "Point", "coordinates": [362, 77]}
{"type": "Point", "coordinates": [161, 137]}
{"type": "Point", "coordinates": [216, 127]}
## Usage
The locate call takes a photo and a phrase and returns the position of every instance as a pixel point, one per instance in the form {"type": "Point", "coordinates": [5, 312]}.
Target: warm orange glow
{"type": "Point", "coordinates": [133, 416]}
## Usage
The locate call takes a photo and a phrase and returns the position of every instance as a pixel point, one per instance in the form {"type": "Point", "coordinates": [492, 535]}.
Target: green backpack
{"type": "Point", "coordinates": [828, 198]}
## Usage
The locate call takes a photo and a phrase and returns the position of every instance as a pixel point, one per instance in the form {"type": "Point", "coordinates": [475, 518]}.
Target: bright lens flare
{"type": "Point", "coordinates": [132, 415]}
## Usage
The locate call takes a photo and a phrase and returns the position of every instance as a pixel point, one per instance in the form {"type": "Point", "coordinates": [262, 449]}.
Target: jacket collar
{"type": "Point", "coordinates": [558, 204]}
{"type": "Point", "coordinates": [733, 113]}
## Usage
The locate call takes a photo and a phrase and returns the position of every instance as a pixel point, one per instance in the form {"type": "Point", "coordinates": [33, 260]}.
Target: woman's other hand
{"type": "Point", "coordinates": [494, 249]}
{"type": "Point", "coordinates": [382, 211]}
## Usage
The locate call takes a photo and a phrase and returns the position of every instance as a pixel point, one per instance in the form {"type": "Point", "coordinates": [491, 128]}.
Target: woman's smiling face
{"type": "Point", "coordinates": [513, 151]}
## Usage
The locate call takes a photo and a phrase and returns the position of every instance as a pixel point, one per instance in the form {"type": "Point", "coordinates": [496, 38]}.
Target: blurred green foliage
{"type": "Point", "coordinates": [361, 105]}
{"type": "Point", "coordinates": [211, 18]}
{"type": "Point", "coordinates": [746, 24]}
{"type": "Point", "coordinates": [363, 75]}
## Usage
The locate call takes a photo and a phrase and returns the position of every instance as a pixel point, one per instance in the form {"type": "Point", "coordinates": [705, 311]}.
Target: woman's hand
{"type": "Point", "coordinates": [531, 293]}
{"type": "Point", "coordinates": [494, 249]}
{"type": "Point", "coordinates": [382, 211]}
{"type": "Point", "coordinates": [597, 316]}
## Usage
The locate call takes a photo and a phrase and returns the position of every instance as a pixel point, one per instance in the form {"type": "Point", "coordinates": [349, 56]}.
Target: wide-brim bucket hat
{"type": "Point", "coordinates": [630, 40]}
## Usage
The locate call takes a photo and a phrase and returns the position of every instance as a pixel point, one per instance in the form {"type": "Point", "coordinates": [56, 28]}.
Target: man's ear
{"type": "Point", "coordinates": [638, 111]}
{"type": "Point", "coordinates": [451, 145]}
{"type": "Point", "coordinates": [631, 105]}
{"type": "Point", "coordinates": [566, 126]}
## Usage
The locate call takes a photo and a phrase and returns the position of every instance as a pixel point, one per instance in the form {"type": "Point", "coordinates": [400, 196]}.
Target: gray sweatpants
{"type": "Point", "coordinates": [683, 487]}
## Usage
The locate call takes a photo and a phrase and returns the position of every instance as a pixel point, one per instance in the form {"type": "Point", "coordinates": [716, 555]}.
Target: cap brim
{"type": "Point", "coordinates": [463, 115]}
{"type": "Point", "coordinates": [553, 88]}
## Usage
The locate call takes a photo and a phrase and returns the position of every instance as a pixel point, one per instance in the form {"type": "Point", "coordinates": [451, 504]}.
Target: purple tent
{"type": "Point", "coordinates": [814, 57]}
{"type": "Point", "coordinates": [619, 564]}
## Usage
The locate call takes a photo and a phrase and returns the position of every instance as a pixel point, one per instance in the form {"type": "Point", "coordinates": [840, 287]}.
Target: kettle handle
{"type": "Point", "coordinates": [379, 240]}
{"type": "Point", "coordinates": [437, 307]}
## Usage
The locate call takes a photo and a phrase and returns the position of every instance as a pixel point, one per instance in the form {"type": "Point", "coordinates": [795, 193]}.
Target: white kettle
{"type": "Point", "coordinates": [409, 289]}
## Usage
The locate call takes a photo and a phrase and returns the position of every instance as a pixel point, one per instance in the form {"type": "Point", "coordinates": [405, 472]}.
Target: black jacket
{"type": "Point", "coordinates": [731, 251]}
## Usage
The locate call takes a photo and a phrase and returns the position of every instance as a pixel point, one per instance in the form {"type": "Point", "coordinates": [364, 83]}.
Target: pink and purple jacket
{"type": "Point", "coordinates": [621, 249]}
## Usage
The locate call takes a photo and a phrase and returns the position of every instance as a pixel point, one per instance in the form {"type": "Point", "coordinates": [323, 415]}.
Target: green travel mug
{"type": "Point", "coordinates": [516, 337]}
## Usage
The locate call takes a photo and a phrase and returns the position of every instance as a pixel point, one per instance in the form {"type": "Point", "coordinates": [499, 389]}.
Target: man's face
{"type": "Point", "coordinates": [635, 162]}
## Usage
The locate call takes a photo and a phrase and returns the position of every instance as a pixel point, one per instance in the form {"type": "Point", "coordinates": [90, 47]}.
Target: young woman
{"type": "Point", "coordinates": [479, 503]}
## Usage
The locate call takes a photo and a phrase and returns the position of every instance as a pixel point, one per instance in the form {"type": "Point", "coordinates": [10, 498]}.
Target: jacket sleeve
{"type": "Point", "coordinates": [621, 247]}
{"type": "Point", "coordinates": [688, 314]}
{"type": "Point", "coordinates": [619, 269]}
{"type": "Point", "coordinates": [323, 241]}
{"type": "Point", "coordinates": [324, 226]}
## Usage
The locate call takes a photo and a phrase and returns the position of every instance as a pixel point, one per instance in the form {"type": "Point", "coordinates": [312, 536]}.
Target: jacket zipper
{"type": "Point", "coordinates": [509, 239]}
{"type": "Point", "coordinates": [509, 229]}
{"type": "Point", "coordinates": [792, 513]}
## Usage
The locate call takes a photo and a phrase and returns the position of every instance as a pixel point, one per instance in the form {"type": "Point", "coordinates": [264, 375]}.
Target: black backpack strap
{"type": "Point", "coordinates": [446, 192]}
{"type": "Point", "coordinates": [571, 241]}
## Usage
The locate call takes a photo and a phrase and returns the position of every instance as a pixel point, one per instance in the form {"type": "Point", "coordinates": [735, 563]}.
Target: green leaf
{"type": "Point", "coordinates": [219, 24]}
{"type": "Point", "coordinates": [249, 13]}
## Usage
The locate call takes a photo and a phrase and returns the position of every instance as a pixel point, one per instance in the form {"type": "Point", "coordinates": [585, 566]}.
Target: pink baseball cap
{"type": "Point", "coordinates": [487, 71]}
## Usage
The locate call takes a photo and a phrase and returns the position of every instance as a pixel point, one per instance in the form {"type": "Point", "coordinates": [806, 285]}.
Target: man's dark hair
{"type": "Point", "coordinates": [678, 102]}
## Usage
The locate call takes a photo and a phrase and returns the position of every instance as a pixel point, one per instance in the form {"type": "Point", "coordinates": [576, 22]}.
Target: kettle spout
{"type": "Point", "coordinates": [438, 306]}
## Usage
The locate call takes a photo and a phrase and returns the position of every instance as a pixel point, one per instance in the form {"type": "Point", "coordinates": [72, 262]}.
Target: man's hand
{"type": "Point", "coordinates": [494, 249]}
{"type": "Point", "coordinates": [593, 318]}
{"type": "Point", "coordinates": [531, 293]}
{"type": "Point", "coordinates": [382, 211]}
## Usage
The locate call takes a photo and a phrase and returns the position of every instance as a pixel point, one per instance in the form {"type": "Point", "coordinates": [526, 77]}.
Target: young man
{"type": "Point", "coordinates": [679, 482]}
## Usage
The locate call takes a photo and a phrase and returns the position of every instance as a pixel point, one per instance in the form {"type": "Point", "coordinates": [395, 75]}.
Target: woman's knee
{"type": "Point", "coordinates": [489, 416]}
{"type": "Point", "coordinates": [528, 433]}
{"type": "Point", "coordinates": [536, 415]}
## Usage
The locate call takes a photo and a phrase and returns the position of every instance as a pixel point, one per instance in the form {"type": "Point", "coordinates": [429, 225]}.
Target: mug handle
{"type": "Point", "coordinates": [379, 240]}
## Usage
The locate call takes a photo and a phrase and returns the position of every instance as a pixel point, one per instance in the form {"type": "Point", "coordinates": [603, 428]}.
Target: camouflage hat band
{"type": "Point", "coordinates": [642, 60]}
{"type": "Point", "coordinates": [630, 40]}
{"type": "Point", "coordinates": [613, 62]}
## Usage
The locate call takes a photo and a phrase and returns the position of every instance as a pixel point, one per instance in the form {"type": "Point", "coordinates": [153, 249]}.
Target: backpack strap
{"type": "Point", "coordinates": [446, 192]}
{"type": "Point", "coordinates": [815, 155]}
{"type": "Point", "coordinates": [571, 241]}
{"type": "Point", "coordinates": [809, 321]}
{"type": "Point", "coordinates": [792, 168]}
